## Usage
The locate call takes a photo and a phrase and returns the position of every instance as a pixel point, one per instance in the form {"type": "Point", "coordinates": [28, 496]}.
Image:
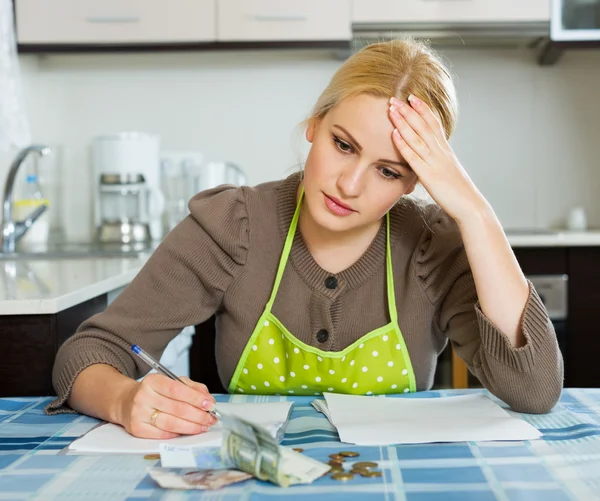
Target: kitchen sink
{"type": "Point", "coordinates": [79, 251]}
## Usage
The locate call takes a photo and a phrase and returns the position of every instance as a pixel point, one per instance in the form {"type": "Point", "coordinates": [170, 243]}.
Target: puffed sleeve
{"type": "Point", "coordinates": [181, 284]}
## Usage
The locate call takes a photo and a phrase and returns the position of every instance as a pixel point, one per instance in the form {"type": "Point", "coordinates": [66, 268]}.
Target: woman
{"type": "Point", "coordinates": [369, 286]}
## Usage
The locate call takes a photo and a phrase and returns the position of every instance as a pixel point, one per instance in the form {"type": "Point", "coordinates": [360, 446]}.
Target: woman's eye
{"type": "Point", "coordinates": [342, 146]}
{"type": "Point", "coordinates": [390, 173]}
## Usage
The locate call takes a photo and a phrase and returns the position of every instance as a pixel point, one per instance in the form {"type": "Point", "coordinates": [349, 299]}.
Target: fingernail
{"type": "Point", "coordinates": [208, 405]}
{"type": "Point", "coordinates": [203, 429]}
{"type": "Point", "coordinates": [413, 99]}
{"type": "Point", "coordinates": [393, 110]}
{"type": "Point", "coordinates": [213, 420]}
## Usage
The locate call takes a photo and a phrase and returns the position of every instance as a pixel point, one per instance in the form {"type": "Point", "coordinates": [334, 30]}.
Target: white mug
{"type": "Point", "coordinates": [577, 220]}
{"type": "Point", "coordinates": [217, 173]}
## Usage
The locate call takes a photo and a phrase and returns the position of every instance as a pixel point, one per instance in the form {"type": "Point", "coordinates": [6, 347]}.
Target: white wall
{"type": "Point", "coordinates": [528, 135]}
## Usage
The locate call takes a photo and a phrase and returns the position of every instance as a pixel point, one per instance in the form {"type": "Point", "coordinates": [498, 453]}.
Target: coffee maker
{"type": "Point", "coordinates": [128, 201]}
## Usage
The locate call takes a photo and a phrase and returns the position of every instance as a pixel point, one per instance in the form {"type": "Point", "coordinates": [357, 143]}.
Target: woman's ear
{"type": "Point", "coordinates": [311, 130]}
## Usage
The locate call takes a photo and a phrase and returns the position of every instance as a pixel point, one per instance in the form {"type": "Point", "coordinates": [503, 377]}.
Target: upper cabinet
{"type": "Point", "coordinates": [109, 24]}
{"type": "Point", "coordinates": [432, 11]}
{"type": "Point", "coordinates": [271, 20]}
{"type": "Point", "coordinates": [119, 22]}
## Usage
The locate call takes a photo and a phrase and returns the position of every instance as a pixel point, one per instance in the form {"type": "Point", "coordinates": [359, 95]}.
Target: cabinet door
{"type": "Point", "coordinates": [583, 342]}
{"type": "Point", "coordinates": [433, 11]}
{"type": "Point", "coordinates": [276, 20]}
{"type": "Point", "coordinates": [115, 21]}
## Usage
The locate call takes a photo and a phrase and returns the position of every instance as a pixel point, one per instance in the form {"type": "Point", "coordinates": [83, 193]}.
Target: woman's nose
{"type": "Point", "coordinates": [351, 181]}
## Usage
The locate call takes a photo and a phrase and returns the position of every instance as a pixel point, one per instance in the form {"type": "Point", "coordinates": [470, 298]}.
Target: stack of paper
{"type": "Point", "coordinates": [385, 421]}
{"type": "Point", "coordinates": [111, 438]}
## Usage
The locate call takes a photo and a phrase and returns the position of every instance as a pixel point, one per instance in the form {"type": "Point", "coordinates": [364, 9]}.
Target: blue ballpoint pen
{"type": "Point", "coordinates": [155, 364]}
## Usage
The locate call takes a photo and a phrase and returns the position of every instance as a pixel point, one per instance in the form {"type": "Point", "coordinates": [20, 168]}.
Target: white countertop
{"type": "Point", "coordinates": [551, 238]}
{"type": "Point", "coordinates": [39, 286]}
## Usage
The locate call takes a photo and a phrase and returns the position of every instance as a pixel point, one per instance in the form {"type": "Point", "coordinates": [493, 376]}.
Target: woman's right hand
{"type": "Point", "coordinates": [182, 408]}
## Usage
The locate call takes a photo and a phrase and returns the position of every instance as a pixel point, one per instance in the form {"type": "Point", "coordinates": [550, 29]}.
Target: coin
{"type": "Point", "coordinates": [349, 454]}
{"type": "Point", "coordinates": [342, 476]}
{"type": "Point", "coordinates": [153, 457]}
{"type": "Point", "coordinates": [298, 449]}
{"type": "Point", "coordinates": [334, 463]}
{"type": "Point", "coordinates": [337, 456]}
{"type": "Point", "coordinates": [365, 464]}
{"type": "Point", "coordinates": [371, 474]}
{"type": "Point", "coordinates": [359, 471]}
{"type": "Point", "coordinates": [336, 469]}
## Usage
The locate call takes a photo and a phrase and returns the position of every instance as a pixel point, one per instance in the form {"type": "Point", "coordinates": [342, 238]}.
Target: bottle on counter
{"type": "Point", "coordinates": [32, 197]}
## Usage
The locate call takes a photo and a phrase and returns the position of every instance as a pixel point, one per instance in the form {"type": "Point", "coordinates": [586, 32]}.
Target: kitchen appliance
{"type": "Point", "coordinates": [575, 20]}
{"type": "Point", "coordinates": [128, 201]}
{"type": "Point", "coordinates": [218, 173]}
{"type": "Point", "coordinates": [185, 173]}
{"type": "Point", "coordinates": [453, 23]}
{"type": "Point", "coordinates": [554, 291]}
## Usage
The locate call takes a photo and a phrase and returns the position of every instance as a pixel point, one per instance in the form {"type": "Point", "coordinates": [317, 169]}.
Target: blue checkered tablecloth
{"type": "Point", "coordinates": [563, 465]}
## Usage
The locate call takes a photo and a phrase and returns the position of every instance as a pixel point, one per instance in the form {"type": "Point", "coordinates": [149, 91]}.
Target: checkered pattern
{"type": "Point", "coordinates": [563, 465]}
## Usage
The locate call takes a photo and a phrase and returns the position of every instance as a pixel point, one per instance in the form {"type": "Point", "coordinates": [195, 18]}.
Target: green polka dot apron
{"type": "Point", "coordinates": [274, 362]}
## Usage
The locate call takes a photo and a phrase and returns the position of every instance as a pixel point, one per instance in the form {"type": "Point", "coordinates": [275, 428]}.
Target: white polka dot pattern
{"type": "Point", "coordinates": [276, 363]}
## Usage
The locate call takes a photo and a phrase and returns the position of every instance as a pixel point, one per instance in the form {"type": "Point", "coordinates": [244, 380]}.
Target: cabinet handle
{"type": "Point", "coordinates": [281, 17]}
{"type": "Point", "coordinates": [113, 19]}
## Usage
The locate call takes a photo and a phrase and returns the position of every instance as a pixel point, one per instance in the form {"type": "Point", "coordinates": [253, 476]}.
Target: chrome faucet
{"type": "Point", "coordinates": [12, 231]}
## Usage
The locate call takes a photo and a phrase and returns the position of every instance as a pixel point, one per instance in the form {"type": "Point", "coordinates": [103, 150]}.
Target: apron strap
{"type": "Point", "coordinates": [390, 274]}
{"type": "Point", "coordinates": [289, 240]}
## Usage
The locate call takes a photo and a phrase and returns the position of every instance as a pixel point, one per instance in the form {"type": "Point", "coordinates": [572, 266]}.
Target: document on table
{"type": "Point", "coordinates": [111, 438]}
{"type": "Point", "coordinates": [386, 421]}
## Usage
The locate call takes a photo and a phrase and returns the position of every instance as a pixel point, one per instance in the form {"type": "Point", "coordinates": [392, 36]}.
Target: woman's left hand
{"type": "Point", "coordinates": [420, 139]}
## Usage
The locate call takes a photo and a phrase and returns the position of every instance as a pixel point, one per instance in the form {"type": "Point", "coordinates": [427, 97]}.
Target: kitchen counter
{"type": "Point", "coordinates": [48, 286]}
{"type": "Point", "coordinates": [553, 238]}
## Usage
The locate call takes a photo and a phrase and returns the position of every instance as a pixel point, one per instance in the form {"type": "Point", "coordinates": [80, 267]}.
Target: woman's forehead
{"type": "Point", "coordinates": [365, 117]}
{"type": "Point", "coordinates": [362, 109]}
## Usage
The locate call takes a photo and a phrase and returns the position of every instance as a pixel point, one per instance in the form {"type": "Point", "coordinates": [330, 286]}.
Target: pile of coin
{"type": "Point", "coordinates": [362, 468]}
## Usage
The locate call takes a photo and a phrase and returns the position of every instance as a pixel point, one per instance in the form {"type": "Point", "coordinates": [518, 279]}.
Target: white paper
{"type": "Point", "coordinates": [385, 421]}
{"type": "Point", "coordinates": [111, 438]}
{"type": "Point", "coordinates": [174, 456]}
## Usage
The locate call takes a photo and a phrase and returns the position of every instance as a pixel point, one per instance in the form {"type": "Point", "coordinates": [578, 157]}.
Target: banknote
{"type": "Point", "coordinates": [250, 448]}
{"type": "Point", "coordinates": [196, 479]}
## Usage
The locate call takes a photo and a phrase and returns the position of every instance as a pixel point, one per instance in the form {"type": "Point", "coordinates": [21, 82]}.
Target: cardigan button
{"type": "Point", "coordinates": [322, 336]}
{"type": "Point", "coordinates": [331, 282]}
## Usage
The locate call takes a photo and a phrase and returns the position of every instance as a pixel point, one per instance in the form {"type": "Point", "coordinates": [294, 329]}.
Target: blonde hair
{"type": "Point", "coordinates": [394, 68]}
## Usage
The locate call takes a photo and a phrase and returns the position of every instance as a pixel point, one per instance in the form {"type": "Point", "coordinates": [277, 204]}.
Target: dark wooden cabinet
{"type": "Point", "coordinates": [203, 363]}
{"type": "Point", "coordinates": [543, 260]}
{"type": "Point", "coordinates": [582, 266]}
{"type": "Point", "coordinates": [584, 307]}
{"type": "Point", "coordinates": [577, 334]}
{"type": "Point", "coordinates": [29, 344]}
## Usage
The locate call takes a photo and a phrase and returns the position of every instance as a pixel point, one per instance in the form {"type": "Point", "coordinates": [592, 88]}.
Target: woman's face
{"type": "Point", "coordinates": [354, 174]}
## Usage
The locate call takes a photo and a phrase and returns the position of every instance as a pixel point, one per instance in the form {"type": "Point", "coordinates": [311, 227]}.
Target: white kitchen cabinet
{"type": "Point", "coordinates": [115, 21]}
{"type": "Point", "coordinates": [434, 11]}
{"type": "Point", "coordinates": [276, 20]}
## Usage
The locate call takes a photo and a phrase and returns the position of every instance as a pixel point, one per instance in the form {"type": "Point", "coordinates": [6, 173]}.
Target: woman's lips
{"type": "Point", "coordinates": [337, 207]}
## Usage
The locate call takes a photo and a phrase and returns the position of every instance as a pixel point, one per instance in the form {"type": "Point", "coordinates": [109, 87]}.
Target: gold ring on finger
{"type": "Point", "coordinates": [154, 416]}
